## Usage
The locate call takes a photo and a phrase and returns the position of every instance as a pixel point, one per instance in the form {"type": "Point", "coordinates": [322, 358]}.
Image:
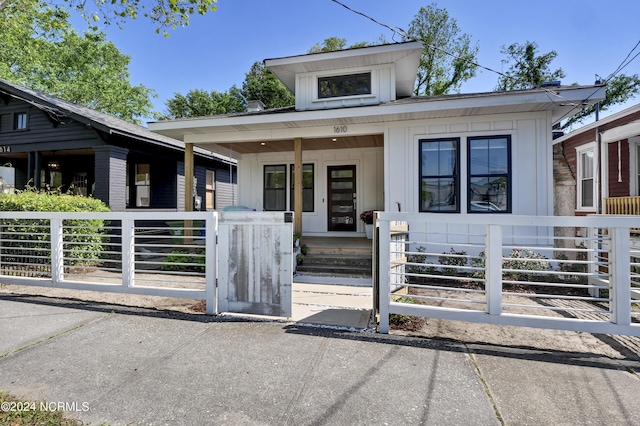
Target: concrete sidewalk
{"type": "Point", "coordinates": [138, 366]}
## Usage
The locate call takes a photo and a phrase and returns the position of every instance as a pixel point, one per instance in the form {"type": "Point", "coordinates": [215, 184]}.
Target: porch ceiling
{"type": "Point", "coordinates": [310, 144]}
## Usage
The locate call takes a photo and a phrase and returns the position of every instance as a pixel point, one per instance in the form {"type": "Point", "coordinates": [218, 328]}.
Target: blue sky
{"type": "Point", "coordinates": [215, 51]}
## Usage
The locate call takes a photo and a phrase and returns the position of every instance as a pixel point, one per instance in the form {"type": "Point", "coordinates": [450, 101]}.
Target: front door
{"type": "Point", "coordinates": [341, 182]}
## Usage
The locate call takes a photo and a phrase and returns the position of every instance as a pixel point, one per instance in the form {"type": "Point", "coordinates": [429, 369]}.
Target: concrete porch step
{"type": "Point", "coordinates": [337, 246]}
{"type": "Point", "coordinates": [334, 270]}
{"type": "Point", "coordinates": [339, 259]}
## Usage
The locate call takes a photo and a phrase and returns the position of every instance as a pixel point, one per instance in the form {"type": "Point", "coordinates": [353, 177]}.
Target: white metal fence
{"type": "Point", "coordinates": [572, 273]}
{"type": "Point", "coordinates": [161, 254]}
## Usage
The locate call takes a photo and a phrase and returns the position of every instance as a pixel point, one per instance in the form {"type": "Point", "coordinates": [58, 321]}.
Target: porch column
{"type": "Point", "coordinates": [297, 186]}
{"type": "Point", "coordinates": [188, 177]}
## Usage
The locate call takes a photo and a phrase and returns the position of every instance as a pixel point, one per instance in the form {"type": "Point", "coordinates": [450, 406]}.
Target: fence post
{"type": "Point", "coordinates": [592, 261]}
{"type": "Point", "coordinates": [128, 253]}
{"type": "Point", "coordinates": [620, 276]}
{"type": "Point", "coordinates": [57, 253]}
{"type": "Point", "coordinates": [493, 270]}
{"type": "Point", "coordinates": [211, 262]}
{"type": "Point", "coordinates": [385, 274]}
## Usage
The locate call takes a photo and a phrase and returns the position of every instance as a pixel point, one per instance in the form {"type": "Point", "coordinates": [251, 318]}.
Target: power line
{"type": "Point", "coordinates": [550, 93]}
{"type": "Point", "coordinates": [622, 64]}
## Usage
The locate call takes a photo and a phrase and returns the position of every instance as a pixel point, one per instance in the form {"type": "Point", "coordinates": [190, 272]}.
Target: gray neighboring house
{"type": "Point", "coordinates": [52, 143]}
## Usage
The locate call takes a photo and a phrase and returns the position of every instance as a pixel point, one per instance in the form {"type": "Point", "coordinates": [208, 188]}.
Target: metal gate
{"type": "Point", "coordinates": [256, 263]}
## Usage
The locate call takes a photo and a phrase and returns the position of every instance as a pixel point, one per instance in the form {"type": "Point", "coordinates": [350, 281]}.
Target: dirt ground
{"type": "Point", "coordinates": [574, 343]}
{"type": "Point", "coordinates": [570, 342]}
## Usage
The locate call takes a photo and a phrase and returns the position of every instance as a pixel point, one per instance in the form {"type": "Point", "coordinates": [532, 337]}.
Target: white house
{"type": "Point", "coordinates": [358, 140]}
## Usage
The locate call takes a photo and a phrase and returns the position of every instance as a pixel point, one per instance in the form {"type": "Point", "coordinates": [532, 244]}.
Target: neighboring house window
{"type": "Point", "coordinates": [307, 188]}
{"type": "Point", "coordinates": [638, 169]}
{"type": "Point", "coordinates": [489, 179]}
{"type": "Point", "coordinates": [210, 190]}
{"type": "Point", "coordinates": [20, 121]}
{"type": "Point", "coordinates": [344, 85]}
{"type": "Point", "coordinates": [80, 183]}
{"type": "Point", "coordinates": [439, 175]}
{"type": "Point", "coordinates": [586, 176]}
{"type": "Point", "coordinates": [275, 185]}
{"type": "Point", "coordinates": [143, 185]}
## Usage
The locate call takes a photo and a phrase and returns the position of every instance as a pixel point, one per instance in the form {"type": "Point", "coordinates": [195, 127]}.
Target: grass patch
{"type": "Point", "coordinates": [17, 411]}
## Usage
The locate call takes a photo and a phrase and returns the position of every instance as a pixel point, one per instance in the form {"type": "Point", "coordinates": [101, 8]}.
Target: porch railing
{"type": "Point", "coordinates": [570, 273]}
{"type": "Point", "coordinates": [622, 205]}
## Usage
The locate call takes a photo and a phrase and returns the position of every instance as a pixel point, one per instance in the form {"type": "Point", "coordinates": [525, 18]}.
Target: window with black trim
{"type": "Point", "coordinates": [344, 85]}
{"type": "Point", "coordinates": [489, 180]}
{"type": "Point", "coordinates": [20, 121]}
{"type": "Point", "coordinates": [307, 188]}
{"type": "Point", "coordinates": [275, 188]}
{"type": "Point", "coordinates": [439, 175]}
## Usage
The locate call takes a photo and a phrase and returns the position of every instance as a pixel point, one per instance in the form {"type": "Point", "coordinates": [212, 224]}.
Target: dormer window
{"type": "Point", "coordinates": [344, 85]}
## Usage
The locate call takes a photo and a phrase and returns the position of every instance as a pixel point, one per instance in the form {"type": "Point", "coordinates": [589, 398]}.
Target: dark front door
{"type": "Point", "coordinates": [342, 198]}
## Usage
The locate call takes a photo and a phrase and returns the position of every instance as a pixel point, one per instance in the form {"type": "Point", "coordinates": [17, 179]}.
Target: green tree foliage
{"type": "Point", "coordinates": [332, 44]}
{"type": "Point", "coordinates": [200, 103]}
{"type": "Point", "coordinates": [620, 89]}
{"type": "Point", "coordinates": [164, 14]}
{"type": "Point", "coordinates": [448, 58]}
{"type": "Point", "coordinates": [527, 68]}
{"type": "Point", "coordinates": [40, 50]}
{"type": "Point", "coordinates": [261, 84]}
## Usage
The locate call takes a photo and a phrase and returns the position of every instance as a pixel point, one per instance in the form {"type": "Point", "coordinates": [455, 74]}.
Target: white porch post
{"type": "Point", "coordinates": [297, 186]}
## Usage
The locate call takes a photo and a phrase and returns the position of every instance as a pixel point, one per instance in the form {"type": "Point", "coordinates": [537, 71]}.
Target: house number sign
{"type": "Point", "coordinates": [5, 148]}
{"type": "Point", "coordinates": [339, 129]}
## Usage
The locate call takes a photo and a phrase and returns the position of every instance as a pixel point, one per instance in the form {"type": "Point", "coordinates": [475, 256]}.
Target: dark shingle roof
{"type": "Point", "coordinates": [59, 109]}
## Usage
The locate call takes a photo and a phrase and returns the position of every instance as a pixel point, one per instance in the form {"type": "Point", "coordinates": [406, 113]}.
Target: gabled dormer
{"type": "Point", "coordinates": [352, 77]}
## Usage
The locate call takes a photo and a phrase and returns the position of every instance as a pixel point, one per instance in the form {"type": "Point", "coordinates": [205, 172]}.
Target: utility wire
{"type": "Point", "coordinates": [550, 93]}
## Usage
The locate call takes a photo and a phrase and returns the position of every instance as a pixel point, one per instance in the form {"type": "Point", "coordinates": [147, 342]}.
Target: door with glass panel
{"type": "Point", "coordinates": [341, 184]}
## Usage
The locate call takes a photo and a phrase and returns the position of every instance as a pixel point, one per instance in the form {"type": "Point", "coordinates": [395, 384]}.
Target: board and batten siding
{"type": "Point", "coordinates": [531, 160]}
{"type": "Point", "coordinates": [369, 181]}
{"type": "Point", "coordinates": [382, 89]}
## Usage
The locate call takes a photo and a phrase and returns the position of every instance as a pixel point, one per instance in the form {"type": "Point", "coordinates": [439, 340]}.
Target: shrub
{"type": "Point", "coordinates": [29, 239]}
{"type": "Point", "coordinates": [524, 261]}
{"type": "Point", "coordinates": [415, 269]}
{"type": "Point", "coordinates": [453, 261]}
{"type": "Point", "coordinates": [181, 260]}
{"type": "Point", "coordinates": [521, 260]}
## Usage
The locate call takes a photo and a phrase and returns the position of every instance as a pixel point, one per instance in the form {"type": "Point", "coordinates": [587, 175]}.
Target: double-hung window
{"type": "Point", "coordinates": [275, 187]}
{"type": "Point", "coordinates": [637, 147]}
{"type": "Point", "coordinates": [489, 179]}
{"type": "Point", "coordinates": [307, 188]}
{"type": "Point", "coordinates": [439, 175]}
{"type": "Point", "coordinates": [586, 190]}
